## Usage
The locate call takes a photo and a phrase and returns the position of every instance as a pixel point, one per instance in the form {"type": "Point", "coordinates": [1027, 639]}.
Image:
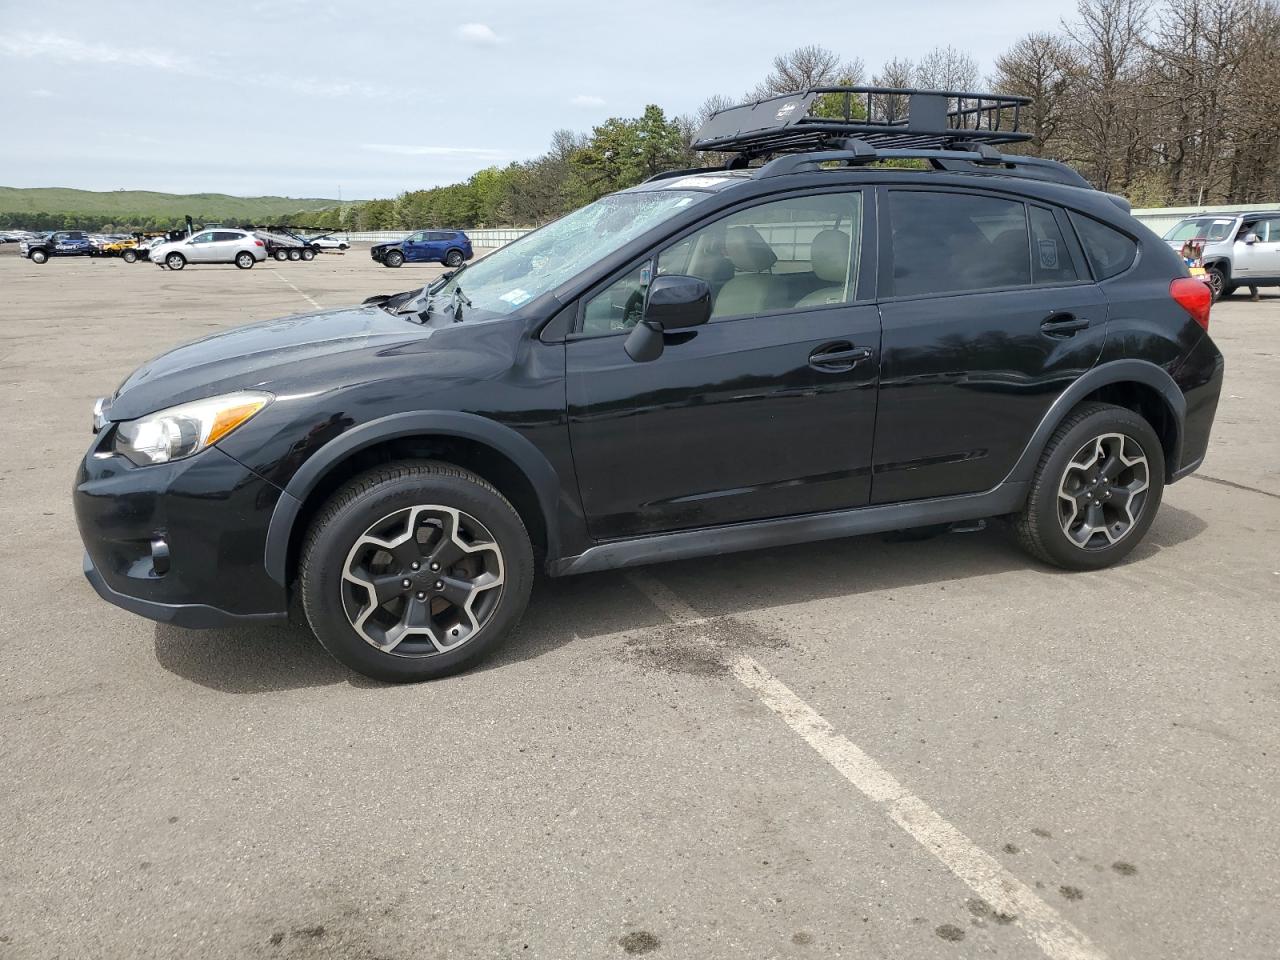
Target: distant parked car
{"type": "Point", "coordinates": [330, 242]}
{"type": "Point", "coordinates": [211, 246]}
{"type": "Point", "coordinates": [450, 247]}
{"type": "Point", "coordinates": [63, 243]}
{"type": "Point", "coordinates": [1239, 250]}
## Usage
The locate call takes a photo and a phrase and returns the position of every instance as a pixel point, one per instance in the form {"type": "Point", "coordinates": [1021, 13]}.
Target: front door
{"type": "Point", "coordinates": [990, 313]}
{"type": "Point", "coordinates": [767, 410]}
{"type": "Point", "coordinates": [1259, 260]}
{"type": "Point", "coordinates": [415, 247]}
{"type": "Point", "coordinates": [201, 248]}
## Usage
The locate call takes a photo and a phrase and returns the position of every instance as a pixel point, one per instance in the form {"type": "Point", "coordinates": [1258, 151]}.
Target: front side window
{"type": "Point", "coordinates": [538, 262]}
{"type": "Point", "coordinates": [793, 254]}
{"type": "Point", "coordinates": [620, 306]}
{"type": "Point", "coordinates": [1268, 231]}
{"type": "Point", "coordinates": [956, 242]}
{"type": "Point", "coordinates": [1109, 251]}
{"type": "Point", "coordinates": [203, 238]}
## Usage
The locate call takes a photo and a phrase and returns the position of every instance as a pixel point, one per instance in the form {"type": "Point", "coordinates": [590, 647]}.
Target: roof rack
{"type": "Point", "coordinates": [882, 117]}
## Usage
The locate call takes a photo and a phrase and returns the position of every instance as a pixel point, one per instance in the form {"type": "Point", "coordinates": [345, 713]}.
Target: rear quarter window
{"type": "Point", "coordinates": [1108, 251]}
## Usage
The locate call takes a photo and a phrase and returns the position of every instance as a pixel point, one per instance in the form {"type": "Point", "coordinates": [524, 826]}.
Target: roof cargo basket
{"type": "Point", "coordinates": [881, 117]}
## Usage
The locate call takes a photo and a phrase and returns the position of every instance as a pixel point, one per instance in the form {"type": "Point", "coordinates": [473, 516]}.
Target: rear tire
{"type": "Point", "coordinates": [453, 258]}
{"type": "Point", "coordinates": [393, 259]}
{"type": "Point", "coordinates": [1096, 489]}
{"type": "Point", "coordinates": [281, 255]}
{"type": "Point", "coordinates": [39, 256]}
{"type": "Point", "coordinates": [244, 260]}
{"type": "Point", "coordinates": [421, 510]}
{"type": "Point", "coordinates": [308, 254]}
{"type": "Point", "coordinates": [295, 254]}
{"type": "Point", "coordinates": [175, 261]}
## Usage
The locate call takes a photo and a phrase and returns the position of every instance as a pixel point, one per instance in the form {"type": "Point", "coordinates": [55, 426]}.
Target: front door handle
{"type": "Point", "coordinates": [838, 357]}
{"type": "Point", "coordinates": [1063, 324]}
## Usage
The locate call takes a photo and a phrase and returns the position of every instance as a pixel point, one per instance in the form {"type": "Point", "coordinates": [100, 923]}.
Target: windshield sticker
{"type": "Point", "coordinates": [516, 297]}
{"type": "Point", "coordinates": [691, 182]}
{"type": "Point", "coordinates": [1048, 254]}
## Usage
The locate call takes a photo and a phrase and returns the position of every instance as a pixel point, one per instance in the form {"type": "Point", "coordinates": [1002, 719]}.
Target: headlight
{"type": "Point", "coordinates": [186, 429]}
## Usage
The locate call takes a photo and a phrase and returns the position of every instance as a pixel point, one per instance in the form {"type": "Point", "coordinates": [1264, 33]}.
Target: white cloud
{"type": "Point", "coordinates": [587, 100]}
{"type": "Point", "coordinates": [41, 92]}
{"type": "Point", "coordinates": [70, 50]}
{"type": "Point", "coordinates": [479, 33]}
{"type": "Point", "coordinates": [415, 150]}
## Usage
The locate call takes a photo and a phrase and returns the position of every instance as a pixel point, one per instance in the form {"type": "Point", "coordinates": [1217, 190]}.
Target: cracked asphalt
{"type": "Point", "coordinates": [609, 785]}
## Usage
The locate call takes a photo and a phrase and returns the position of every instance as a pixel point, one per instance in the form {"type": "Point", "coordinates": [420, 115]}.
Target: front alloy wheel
{"type": "Point", "coordinates": [415, 570]}
{"type": "Point", "coordinates": [422, 581]}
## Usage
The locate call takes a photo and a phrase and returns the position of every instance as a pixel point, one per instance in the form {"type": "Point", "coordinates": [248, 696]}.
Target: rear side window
{"type": "Point", "coordinates": [1050, 258]}
{"type": "Point", "coordinates": [1108, 250]}
{"type": "Point", "coordinates": [955, 242]}
{"type": "Point", "coordinates": [222, 235]}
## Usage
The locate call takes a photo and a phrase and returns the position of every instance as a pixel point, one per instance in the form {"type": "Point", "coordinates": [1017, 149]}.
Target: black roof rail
{"type": "Point", "coordinates": [979, 158]}
{"type": "Point", "coordinates": [884, 117]}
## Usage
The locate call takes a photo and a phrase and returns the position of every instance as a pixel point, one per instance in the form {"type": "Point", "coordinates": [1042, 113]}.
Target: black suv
{"type": "Point", "coordinates": [721, 359]}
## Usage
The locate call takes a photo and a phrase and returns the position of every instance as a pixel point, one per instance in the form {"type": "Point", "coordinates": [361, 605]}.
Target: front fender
{"type": "Point", "coordinates": [468, 426]}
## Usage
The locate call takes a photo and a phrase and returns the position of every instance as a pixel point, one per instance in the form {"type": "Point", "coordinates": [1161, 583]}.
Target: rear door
{"type": "Point", "coordinates": [1258, 261]}
{"type": "Point", "coordinates": [768, 409]}
{"type": "Point", "coordinates": [989, 313]}
{"type": "Point", "coordinates": [226, 244]}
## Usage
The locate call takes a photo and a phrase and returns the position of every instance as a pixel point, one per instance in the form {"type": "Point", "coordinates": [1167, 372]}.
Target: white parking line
{"type": "Point", "coordinates": [296, 290]}
{"type": "Point", "coordinates": [981, 872]}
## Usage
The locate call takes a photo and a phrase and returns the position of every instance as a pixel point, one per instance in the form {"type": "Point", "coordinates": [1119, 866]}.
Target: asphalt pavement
{"type": "Point", "coordinates": [857, 748]}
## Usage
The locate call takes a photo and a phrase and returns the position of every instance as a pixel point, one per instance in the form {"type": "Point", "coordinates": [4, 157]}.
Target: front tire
{"type": "Point", "coordinates": [393, 259]}
{"type": "Point", "coordinates": [1096, 490]}
{"type": "Point", "coordinates": [175, 261]}
{"type": "Point", "coordinates": [415, 570]}
{"type": "Point", "coordinates": [244, 260]}
{"type": "Point", "coordinates": [39, 256]}
{"type": "Point", "coordinates": [1218, 282]}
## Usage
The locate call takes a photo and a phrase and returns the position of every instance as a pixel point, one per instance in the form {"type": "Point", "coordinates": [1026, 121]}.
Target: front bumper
{"type": "Point", "coordinates": [179, 542]}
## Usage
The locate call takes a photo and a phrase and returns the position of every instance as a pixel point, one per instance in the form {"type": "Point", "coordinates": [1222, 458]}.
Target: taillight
{"type": "Point", "coordinates": [258, 243]}
{"type": "Point", "coordinates": [1194, 296]}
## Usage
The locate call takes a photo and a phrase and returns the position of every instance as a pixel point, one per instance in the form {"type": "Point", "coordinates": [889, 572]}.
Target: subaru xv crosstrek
{"type": "Point", "coordinates": [712, 361]}
{"type": "Point", "coordinates": [450, 247]}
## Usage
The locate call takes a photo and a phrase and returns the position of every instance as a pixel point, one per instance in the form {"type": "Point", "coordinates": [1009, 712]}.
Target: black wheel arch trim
{"type": "Point", "coordinates": [519, 450]}
{"type": "Point", "coordinates": [1104, 375]}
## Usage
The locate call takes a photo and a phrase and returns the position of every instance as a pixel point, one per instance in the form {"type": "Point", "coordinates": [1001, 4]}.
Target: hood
{"type": "Point", "coordinates": [254, 356]}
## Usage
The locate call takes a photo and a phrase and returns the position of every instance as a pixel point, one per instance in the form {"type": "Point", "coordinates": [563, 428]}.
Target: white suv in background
{"type": "Point", "coordinates": [1240, 250]}
{"type": "Point", "coordinates": [222, 245]}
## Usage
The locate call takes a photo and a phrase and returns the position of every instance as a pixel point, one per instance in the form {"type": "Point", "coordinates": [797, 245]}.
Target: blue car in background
{"type": "Point", "coordinates": [450, 247]}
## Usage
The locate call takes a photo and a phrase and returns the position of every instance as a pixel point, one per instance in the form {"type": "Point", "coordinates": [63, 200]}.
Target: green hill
{"type": "Point", "coordinates": [23, 206]}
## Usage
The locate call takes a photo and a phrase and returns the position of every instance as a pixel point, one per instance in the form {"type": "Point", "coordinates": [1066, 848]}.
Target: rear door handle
{"type": "Point", "coordinates": [1063, 324]}
{"type": "Point", "coordinates": [838, 357]}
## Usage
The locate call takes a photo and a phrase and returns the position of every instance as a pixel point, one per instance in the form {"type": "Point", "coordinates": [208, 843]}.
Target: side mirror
{"type": "Point", "coordinates": [1251, 238]}
{"type": "Point", "coordinates": [676, 302]}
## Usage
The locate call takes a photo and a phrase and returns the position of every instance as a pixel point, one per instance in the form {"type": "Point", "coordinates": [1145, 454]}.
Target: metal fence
{"type": "Point", "coordinates": [1159, 219]}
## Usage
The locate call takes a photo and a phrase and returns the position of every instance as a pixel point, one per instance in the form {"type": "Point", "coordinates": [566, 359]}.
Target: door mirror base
{"type": "Point", "coordinates": [644, 342]}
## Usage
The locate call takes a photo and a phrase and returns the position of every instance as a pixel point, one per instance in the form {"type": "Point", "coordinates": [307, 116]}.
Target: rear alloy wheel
{"type": "Point", "coordinates": [1096, 490]}
{"type": "Point", "coordinates": [453, 259]}
{"type": "Point", "coordinates": [175, 261]}
{"type": "Point", "coordinates": [393, 259]}
{"type": "Point", "coordinates": [414, 571]}
{"type": "Point", "coordinates": [244, 259]}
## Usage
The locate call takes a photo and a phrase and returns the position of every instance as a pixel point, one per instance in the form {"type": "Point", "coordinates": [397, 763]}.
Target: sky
{"type": "Point", "coordinates": [307, 98]}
